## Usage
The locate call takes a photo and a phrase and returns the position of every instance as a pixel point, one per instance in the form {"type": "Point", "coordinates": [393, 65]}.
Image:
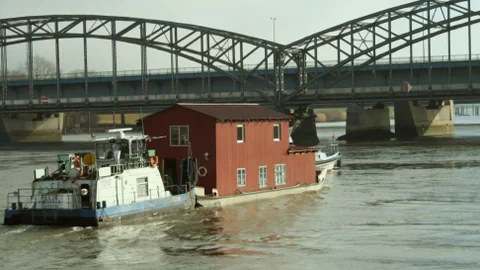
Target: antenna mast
{"type": "Point", "coordinates": [141, 119]}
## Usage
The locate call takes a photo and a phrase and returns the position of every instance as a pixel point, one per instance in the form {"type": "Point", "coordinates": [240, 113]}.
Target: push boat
{"type": "Point", "coordinates": [121, 180]}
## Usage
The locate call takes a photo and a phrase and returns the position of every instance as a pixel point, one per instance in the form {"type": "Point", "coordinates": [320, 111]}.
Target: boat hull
{"type": "Point", "coordinates": [328, 163]}
{"type": "Point", "coordinates": [95, 217]}
{"type": "Point", "coordinates": [65, 217]}
{"type": "Point", "coordinates": [257, 196]}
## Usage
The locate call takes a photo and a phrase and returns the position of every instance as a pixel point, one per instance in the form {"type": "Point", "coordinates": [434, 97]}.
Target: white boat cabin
{"type": "Point", "coordinates": [119, 172]}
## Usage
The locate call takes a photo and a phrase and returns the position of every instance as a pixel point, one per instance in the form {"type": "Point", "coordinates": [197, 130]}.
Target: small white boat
{"type": "Point", "coordinates": [325, 161]}
{"type": "Point", "coordinates": [120, 180]}
{"type": "Point", "coordinates": [328, 160]}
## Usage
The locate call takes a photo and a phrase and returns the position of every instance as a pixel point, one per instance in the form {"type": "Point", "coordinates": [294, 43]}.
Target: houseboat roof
{"type": "Point", "coordinates": [302, 149]}
{"type": "Point", "coordinates": [234, 111]}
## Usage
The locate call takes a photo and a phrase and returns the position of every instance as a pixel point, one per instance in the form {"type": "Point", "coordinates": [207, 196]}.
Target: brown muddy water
{"type": "Point", "coordinates": [393, 205]}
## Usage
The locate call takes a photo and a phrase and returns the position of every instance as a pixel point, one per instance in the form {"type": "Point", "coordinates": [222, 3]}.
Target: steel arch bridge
{"type": "Point", "coordinates": [349, 40]}
{"type": "Point", "coordinates": [358, 43]}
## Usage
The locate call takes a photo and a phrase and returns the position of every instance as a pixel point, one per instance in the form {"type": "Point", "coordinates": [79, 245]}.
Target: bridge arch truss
{"type": "Point", "coordinates": [357, 44]}
{"type": "Point", "coordinates": [363, 41]}
{"type": "Point", "coordinates": [214, 50]}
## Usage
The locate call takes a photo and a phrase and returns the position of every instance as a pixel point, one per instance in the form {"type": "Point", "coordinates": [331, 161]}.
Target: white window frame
{"type": "Point", "coordinates": [279, 132]}
{"type": "Point", "coordinates": [279, 173]}
{"type": "Point", "coordinates": [262, 176]}
{"type": "Point", "coordinates": [239, 180]}
{"type": "Point", "coordinates": [179, 135]}
{"type": "Point", "coordinates": [243, 133]}
{"type": "Point", "coordinates": [145, 184]}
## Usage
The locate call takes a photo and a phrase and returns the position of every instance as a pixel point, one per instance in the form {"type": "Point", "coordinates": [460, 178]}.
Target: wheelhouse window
{"type": "Point", "coordinates": [241, 177]}
{"type": "Point", "coordinates": [142, 187]}
{"type": "Point", "coordinates": [136, 149]}
{"type": "Point", "coordinates": [123, 147]}
{"type": "Point", "coordinates": [276, 132]}
{"type": "Point", "coordinates": [104, 150]}
{"type": "Point", "coordinates": [280, 176]}
{"type": "Point", "coordinates": [179, 136]}
{"type": "Point", "coordinates": [262, 176]}
{"type": "Point", "coordinates": [107, 150]}
{"type": "Point", "coordinates": [240, 133]}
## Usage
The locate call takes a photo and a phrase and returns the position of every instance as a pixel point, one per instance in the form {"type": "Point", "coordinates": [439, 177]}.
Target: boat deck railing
{"type": "Point", "coordinates": [47, 198]}
{"type": "Point", "coordinates": [29, 198]}
{"type": "Point", "coordinates": [117, 168]}
{"type": "Point", "coordinates": [179, 189]}
{"type": "Point", "coordinates": [120, 168]}
{"type": "Point", "coordinates": [331, 149]}
{"type": "Point", "coordinates": [136, 164]}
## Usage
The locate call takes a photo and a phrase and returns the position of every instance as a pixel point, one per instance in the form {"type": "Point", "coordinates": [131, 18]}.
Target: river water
{"type": "Point", "coordinates": [393, 205]}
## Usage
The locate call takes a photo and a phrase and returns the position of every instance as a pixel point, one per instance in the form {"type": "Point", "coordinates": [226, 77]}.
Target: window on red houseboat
{"type": "Point", "coordinates": [241, 177]}
{"type": "Point", "coordinates": [280, 176]}
{"type": "Point", "coordinates": [179, 136]}
{"type": "Point", "coordinates": [262, 176]}
{"type": "Point", "coordinates": [276, 132]}
{"type": "Point", "coordinates": [240, 133]}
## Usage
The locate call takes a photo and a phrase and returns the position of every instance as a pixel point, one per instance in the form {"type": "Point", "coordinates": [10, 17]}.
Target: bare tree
{"type": "Point", "coordinates": [17, 74]}
{"type": "Point", "coordinates": [42, 68]}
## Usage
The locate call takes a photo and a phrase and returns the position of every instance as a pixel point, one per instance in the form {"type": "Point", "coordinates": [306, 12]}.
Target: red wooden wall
{"type": "Point", "coordinates": [219, 139]}
{"type": "Point", "coordinates": [201, 134]}
{"type": "Point", "coordinates": [258, 149]}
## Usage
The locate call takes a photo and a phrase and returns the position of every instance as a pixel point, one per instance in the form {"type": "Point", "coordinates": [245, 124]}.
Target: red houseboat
{"type": "Point", "coordinates": [242, 149]}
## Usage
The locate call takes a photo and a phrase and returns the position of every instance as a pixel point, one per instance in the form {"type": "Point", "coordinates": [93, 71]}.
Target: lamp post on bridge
{"type": "Point", "coordinates": [273, 19]}
{"type": "Point", "coordinates": [146, 88]}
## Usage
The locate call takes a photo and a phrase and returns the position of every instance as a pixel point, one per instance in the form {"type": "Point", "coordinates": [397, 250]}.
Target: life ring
{"type": "Point", "coordinates": [200, 173]}
{"type": "Point", "coordinates": [153, 164]}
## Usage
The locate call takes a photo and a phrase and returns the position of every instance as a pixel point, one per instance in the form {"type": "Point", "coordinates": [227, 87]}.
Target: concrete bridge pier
{"type": "Point", "coordinates": [29, 127]}
{"type": "Point", "coordinates": [367, 123]}
{"type": "Point", "coordinates": [304, 130]}
{"type": "Point", "coordinates": [435, 119]}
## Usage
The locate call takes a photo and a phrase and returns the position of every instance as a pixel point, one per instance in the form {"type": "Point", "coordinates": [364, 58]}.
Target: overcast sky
{"type": "Point", "coordinates": [295, 19]}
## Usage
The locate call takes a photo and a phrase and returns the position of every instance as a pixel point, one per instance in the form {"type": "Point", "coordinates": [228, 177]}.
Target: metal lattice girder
{"type": "Point", "coordinates": [85, 60]}
{"type": "Point", "coordinates": [363, 41]}
{"type": "Point", "coordinates": [29, 60]}
{"type": "Point", "coordinates": [3, 66]}
{"type": "Point", "coordinates": [213, 49]}
{"type": "Point", "coordinates": [57, 64]}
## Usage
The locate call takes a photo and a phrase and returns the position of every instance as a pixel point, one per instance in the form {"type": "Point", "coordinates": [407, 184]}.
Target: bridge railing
{"type": "Point", "coordinates": [197, 70]}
